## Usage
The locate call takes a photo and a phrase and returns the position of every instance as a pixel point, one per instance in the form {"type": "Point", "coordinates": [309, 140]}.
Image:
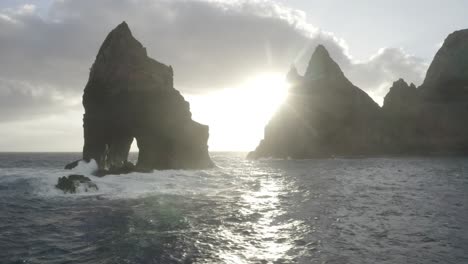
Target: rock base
{"type": "Point", "coordinates": [71, 183]}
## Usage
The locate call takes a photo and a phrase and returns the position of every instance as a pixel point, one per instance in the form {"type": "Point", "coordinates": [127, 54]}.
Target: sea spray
{"type": "Point", "coordinates": [86, 168]}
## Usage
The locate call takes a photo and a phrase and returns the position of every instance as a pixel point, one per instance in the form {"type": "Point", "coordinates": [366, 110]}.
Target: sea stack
{"type": "Point", "coordinates": [324, 115]}
{"type": "Point", "coordinates": [131, 96]}
{"type": "Point", "coordinates": [432, 118]}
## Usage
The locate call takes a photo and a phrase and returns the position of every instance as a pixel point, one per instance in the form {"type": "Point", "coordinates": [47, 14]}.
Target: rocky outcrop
{"type": "Point", "coordinates": [72, 183]}
{"type": "Point", "coordinates": [131, 96]}
{"type": "Point", "coordinates": [432, 118]}
{"type": "Point", "coordinates": [401, 97]}
{"type": "Point", "coordinates": [447, 77]}
{"type": "Point", "coordinates": [326, 115]}
{"type": "Point", "coordinates": [400, 110]}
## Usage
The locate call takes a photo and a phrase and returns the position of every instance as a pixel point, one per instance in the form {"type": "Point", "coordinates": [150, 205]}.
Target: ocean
{"type": "Point", "coordinates": [369, 210]}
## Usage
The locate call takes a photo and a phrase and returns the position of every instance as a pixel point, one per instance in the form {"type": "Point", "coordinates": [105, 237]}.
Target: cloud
{"type": "Point", "coordinates": [378, 73]}
{"type": "Point", "coordinates": [211, 45]}
{"type": "Point", "coordinates": [58, 132]}
{"type": "Point", "coordinates": [19, 100]}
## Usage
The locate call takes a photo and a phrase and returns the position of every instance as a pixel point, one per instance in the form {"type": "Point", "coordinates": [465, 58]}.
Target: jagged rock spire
{"type": "Point", "coordinates": [321, 65]}
{"type": "Point", "coordinates": [120, 42]}
{"type": "Point", "coordinates": [293, 76]}
{"type": "Point", "coordinates": [400, 83]}
{"type": "Point", "coordinates": [401, 96]}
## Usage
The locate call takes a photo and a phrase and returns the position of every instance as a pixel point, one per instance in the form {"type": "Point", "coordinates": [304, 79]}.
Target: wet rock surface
{"type": "Point", "coordinates": [71, 184]}
{"type": "Point", "coordinates": [72, 165]}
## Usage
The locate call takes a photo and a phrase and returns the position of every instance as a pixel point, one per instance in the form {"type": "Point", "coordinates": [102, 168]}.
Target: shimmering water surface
{"type": "Point", "coordinates": [379, 210]}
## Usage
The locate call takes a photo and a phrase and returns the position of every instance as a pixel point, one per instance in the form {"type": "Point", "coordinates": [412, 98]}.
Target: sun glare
{"type": "Point", "coordinates": [237, 115]}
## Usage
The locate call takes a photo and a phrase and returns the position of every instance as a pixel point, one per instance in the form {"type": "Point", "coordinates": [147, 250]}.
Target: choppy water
{"type": "Point", "coordinates": [385, 210]}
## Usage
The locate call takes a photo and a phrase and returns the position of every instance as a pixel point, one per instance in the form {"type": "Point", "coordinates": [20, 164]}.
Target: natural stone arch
{"type": "Point", "coordinates": [129, 95]}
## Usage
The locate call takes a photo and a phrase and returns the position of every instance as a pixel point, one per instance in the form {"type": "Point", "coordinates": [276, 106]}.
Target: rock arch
{"type": "Point", "coordinates": [131, 96]}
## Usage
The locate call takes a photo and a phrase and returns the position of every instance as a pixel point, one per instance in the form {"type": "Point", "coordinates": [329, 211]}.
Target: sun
{"type": "Point", "coordinates": [267, 90]}
{"type": "Point", "coordinates": [237, 115]}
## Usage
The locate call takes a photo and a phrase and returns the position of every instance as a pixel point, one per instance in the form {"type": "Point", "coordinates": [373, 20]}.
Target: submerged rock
{"type": "Point", "coordinates": [71, 183]}
{"type": "Point", "coordinates": [131, 96]}
{"type": "Point", "coordinates": [72, 165]}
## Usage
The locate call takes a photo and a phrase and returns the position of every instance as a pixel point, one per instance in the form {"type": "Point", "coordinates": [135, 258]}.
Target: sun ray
{"type": "Point", "coordinates": [237, 115]}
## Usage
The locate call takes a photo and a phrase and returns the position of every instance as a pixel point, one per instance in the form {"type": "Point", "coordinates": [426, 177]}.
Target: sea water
{"type": "Point", "coordinates": [370, 210]}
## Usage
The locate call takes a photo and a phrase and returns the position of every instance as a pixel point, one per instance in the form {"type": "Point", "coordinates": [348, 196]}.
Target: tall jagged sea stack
{"type": "Point", "coordinates": [131, 96]}
{"type": "Point", "coordinates": [326, 115]}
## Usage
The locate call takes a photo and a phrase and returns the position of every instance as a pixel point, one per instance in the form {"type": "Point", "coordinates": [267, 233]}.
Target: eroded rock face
{"type": "Point", "coordinates": [131, 96]}
{"type": "Point", "coordinates": [432, 118]}
{"type": "Point", "coordinates": [401, 97]}
{"type": "Point", "coordinates": [400, 110]}
{"type": "Point", "coordinates": [324, 115]}
{"type": "Point", "coordinates": [447, 76]}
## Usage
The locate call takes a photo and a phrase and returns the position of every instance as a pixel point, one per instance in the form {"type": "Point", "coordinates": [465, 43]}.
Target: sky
{"type": "Point", "coordinates": [229, 56]}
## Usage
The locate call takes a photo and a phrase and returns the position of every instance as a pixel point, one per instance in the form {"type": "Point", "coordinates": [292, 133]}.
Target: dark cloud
{"type": "Point", "coordinates": [20, 100]}
{"type": "Point", "coordinates": [211, 45]}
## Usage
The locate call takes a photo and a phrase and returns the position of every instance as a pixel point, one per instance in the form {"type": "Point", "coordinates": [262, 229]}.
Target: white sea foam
{"type": "Point", "coordinates": [157, 182]}
{"type": "Point", "coordinates": [42, 181]}
{"type": "Point", "coordinates": [132, 185]}
{"type": "Point", "coordinates": [86, 168]}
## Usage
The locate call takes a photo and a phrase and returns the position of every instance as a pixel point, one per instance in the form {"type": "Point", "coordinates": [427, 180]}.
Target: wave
{"type": "Point", "coordinates": [42, 181]}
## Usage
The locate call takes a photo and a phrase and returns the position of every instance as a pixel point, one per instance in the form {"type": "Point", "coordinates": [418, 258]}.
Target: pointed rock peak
{"type": "Point", "coordinates": [400, 83]}
{"type": "Point", "coordinates": [122, 28]}
{"type": "Point", "coordinates": [321, 65]}
{"type": "Point", "coordinates": [399, 95]}
{"type": "Point", "coordinates": [122, 31]}
{"type": "Point", "coordinates": [293, 69]}
{"type": "Point", "coordinates": [293, 76]}
{"type": "Point", "coordinates": [322, 50]}
{"type": "Point", "coordinates": [120, 42]}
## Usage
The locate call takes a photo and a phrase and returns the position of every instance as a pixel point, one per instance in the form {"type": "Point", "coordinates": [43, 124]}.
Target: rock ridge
{"type": "Point", "coordinates": [325, 115]}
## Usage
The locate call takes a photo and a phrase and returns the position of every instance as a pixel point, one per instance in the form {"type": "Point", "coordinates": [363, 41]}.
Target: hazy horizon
{"type": "Point", "coordinates": [229, 57]}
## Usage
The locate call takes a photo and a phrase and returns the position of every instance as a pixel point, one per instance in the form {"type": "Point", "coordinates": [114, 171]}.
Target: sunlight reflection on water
{"type": "Point", "coordinates": [383, 210]}
{"type": "Point", "coordinates": [269, 241]}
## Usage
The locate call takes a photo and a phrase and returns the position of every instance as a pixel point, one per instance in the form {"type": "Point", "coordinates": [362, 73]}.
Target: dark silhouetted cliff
{"type": "Point", "coordinates": [131, 96]}
{"type": "Point", "coordinates": [432, 118]}
{"type": "Point", "coordinates": [326, 115]}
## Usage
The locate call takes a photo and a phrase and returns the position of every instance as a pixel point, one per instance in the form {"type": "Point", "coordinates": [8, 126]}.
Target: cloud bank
{"type": "Point", "coordinates": [46, 56]}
